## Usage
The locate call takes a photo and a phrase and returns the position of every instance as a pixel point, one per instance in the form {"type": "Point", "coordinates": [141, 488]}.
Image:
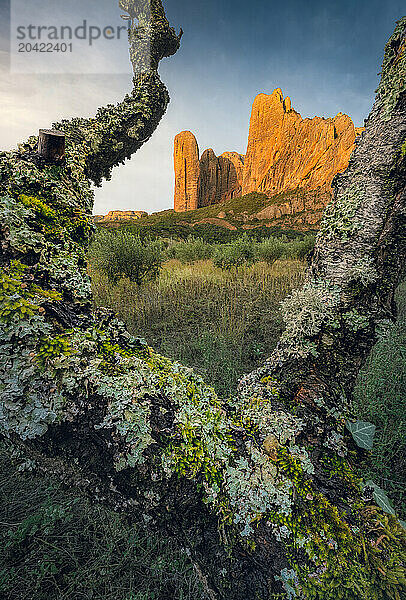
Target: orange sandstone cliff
{"type": "Point", "coordinates": [205, 181]}
{"type": "Point", "coordinates": [284, 153]}
{"type": "Point", "coordinates": [186, 157]}
{"type": "Point", "coordinates": [120, 215]}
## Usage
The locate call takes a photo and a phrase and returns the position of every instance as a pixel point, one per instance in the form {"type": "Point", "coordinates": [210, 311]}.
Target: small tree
{"type": "Point", "coordinates": [122, 254]}
{"type": "Point", "coordinates": [234, 255]}
{"type": "Point", "coordinates": [190, 250]}
{"type": "Point", "coordinates": [270, 250]}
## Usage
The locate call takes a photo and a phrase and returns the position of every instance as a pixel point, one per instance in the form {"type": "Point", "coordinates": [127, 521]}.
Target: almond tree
{"type": "Point", "coordinates": [264, 490]}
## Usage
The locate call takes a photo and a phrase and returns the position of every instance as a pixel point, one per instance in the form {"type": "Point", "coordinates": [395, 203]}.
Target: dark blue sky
{"type": "Point", "coordinates": [325, 55]}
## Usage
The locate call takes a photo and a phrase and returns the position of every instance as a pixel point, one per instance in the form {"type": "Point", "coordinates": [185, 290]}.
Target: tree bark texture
{"type": "Point", "coordinates": [264, 490]}
{"type": "Point", "coordinates": [51, 145]}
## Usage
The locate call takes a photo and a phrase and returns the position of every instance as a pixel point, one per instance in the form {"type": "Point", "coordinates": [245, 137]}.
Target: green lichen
{"type": "Point", "coordinates": [339, 219]}
{"type": "Point", "coordinates": [50, 348]}
{"type": "Point", "coordinates": [304, 312]}
{"type": "Point", "coordinates": [39, 207]}
{"type": "Point", "coordinates": [362, 271]}
{"type": "Point", "coordinates": [15, 219]}
{"type": "Point", "coordinates": [355, 321]}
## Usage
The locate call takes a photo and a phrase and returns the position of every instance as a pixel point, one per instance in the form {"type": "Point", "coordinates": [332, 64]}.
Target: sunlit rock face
{"type": "Point", "coordinates": [284, 153]}
{"type": "Point", "coordinates": [186, 162]}
{"type": "Point", "coordinates": [120, 215]}
{"type": "Point", "coordinates": [220, 177]}
{"type": "Point", "coordinates": [204, 181]}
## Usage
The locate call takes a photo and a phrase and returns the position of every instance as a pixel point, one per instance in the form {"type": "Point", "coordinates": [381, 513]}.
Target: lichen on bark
{"type": "Point", "coordinates": [265, 489]}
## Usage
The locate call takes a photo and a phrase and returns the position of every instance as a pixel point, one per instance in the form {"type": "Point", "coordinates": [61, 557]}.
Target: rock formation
{"type": "Point", "coordinates": [120, 215]}
{"type": "Point", "coordinates": [207, 181]}
{"type": "Point", "coordinates": [186, 158]}
{"type": "Point", "coordinates": [284, 153]}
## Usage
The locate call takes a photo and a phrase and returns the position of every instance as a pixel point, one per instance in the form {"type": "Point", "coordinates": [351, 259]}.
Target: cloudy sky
{"type": "Point", "coordinates": [324, 54]}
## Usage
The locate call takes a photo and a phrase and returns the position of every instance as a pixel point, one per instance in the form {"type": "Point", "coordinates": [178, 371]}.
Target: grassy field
{"type": "Point", "coordinates": [380, 398]}
{"type": "Point", "coordinates": [221, 323]}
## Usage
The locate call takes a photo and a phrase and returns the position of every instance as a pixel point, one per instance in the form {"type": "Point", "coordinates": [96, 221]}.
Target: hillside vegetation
{"type": "Point", "coordinates": [224, 222]}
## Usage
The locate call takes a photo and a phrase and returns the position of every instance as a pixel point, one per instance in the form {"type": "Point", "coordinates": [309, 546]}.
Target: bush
{"type": "Point", "coordinates": [301, 248]}
{"type": "Point", "coordinates": [234, 255]}
{"type": "Point", "coordinates": [123, 254]}
{"type": "Point", "coordinates": [191, 250]}
{"type": "Point", "coordinates": [270, 250]}
{"type": "Point", "coordinates": [245, 250]}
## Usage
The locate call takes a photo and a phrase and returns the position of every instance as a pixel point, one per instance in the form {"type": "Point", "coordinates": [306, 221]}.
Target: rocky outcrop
{"type": "Point", "coordinates": [120, 215]}
{"type": "Point", "coordinates": [220, 177]}
{"type": "Point", "coordinates": [186, 162]}
{"type": "Point", "coordinates": [205, 181]}
{"type": "Point", "coordinates": [284, 153]}
{"type": "Point", "coordinates": [232, 170]}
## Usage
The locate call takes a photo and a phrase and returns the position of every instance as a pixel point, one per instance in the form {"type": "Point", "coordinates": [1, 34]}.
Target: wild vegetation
{"type": "Point", "coordinates": [240, 217]}
{"type": "Point", "coordinates": [220, 322]}
{"type": "Point", "coordinates": [380, 396]}
{"type": "Point", "coordinates": [224, 322]}
{"type": "Point", "coordinates": [126, 253]}
{"type": "Point", "coordinates": [57, 546]}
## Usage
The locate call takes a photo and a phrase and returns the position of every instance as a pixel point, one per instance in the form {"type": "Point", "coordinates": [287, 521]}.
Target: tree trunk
{"type": "Point", "coordinates": [265, 490]}
{"type": "Point", "coordinates": [51, 145]}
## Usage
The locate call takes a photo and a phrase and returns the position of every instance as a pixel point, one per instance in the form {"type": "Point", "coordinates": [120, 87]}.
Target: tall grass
{"type": "Point", "coordinates": [380, 397]}
{"type": "Point", "coordinates": [221, 323]}
{"type": "Point", "coordinates": [55, 545]}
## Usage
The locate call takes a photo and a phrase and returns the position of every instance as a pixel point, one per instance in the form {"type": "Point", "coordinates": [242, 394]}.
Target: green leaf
{"type": "Point", "coordinates": [363, 433]}
{"type": "Point", "coordinates": [403, 523]}
{"type": "Point", "coordinates": [381, 498]}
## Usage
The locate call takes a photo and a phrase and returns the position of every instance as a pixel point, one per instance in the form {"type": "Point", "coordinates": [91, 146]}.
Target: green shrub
{"type": "Point", "coordinates": [122, 254]}
{"type": "Point", "coordinates": [246, 250]}
{"type": "Point", "coordinates": [190, 250]}
{"type": "Point", "coordinates": [270, 250]}
{"type": "Point", "coordinates": [236, 254]}
{"type": "Point", "coordinates": [300, 248]}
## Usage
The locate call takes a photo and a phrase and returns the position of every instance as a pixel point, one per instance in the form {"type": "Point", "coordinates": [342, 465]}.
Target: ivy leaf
{"type": "Point", "coordinates": [363, 433]}
{"type": "Point", "coordinates": [381, 498]}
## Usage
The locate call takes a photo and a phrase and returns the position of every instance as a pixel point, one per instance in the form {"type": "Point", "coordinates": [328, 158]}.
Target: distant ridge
{"type": "Point", "coordinates": [120, 215]}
